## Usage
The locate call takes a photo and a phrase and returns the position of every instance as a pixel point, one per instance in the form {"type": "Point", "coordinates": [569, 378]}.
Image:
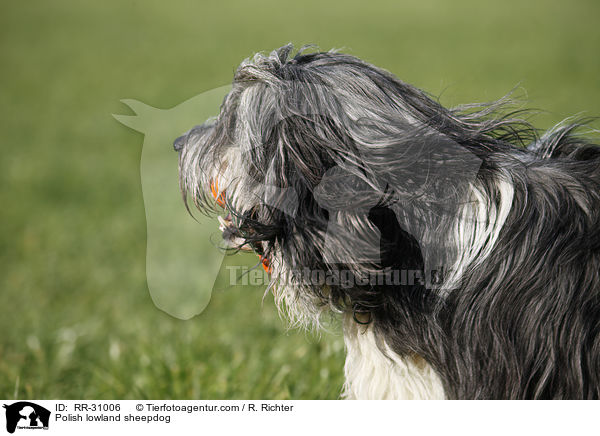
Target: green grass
{"type": "Point", "coordinates": [76, 317]}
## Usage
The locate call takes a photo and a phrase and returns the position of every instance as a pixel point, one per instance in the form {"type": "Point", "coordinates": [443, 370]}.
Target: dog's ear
{"type": "Point", "coordinates": [144, 117]}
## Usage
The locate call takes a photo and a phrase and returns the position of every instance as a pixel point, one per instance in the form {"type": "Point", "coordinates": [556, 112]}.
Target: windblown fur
{"type": "Point", "coordinates": [482, 235]}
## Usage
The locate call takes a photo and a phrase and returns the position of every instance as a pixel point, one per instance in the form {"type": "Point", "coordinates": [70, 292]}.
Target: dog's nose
{"type": "Point", "coordinates": [179, 143]}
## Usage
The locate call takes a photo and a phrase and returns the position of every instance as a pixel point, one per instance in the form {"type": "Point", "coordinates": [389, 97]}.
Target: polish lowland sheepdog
{"type": "Point", "coordinates": [460, 247]}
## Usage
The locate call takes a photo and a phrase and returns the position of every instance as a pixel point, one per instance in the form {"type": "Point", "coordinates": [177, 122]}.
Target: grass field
{"type": "Point", "coordinates": [76, 318]}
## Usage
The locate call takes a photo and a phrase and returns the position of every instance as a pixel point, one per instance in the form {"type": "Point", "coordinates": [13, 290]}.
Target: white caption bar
{"type": "Point", "coordinates": [283, 418]}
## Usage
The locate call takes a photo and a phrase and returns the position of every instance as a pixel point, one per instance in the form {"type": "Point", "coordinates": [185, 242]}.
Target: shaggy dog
{"type": "Point", "coordinates": [460, 247]}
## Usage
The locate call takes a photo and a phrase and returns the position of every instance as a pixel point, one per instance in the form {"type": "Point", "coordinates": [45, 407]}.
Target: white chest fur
{"type": "Point", "coordinates": [374, 372]}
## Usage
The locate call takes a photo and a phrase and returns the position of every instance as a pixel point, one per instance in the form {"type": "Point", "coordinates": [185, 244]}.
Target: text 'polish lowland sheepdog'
{"type": "Point", "coordinates": [460, 246]}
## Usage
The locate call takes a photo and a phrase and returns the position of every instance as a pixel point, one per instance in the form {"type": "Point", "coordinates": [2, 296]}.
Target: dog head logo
{"type": "Point", "coordinates": [176, 242]}
{"type": "Point", "coordinates": [26, 415]}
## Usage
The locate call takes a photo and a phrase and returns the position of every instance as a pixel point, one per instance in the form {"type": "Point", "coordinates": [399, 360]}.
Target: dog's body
{"type": "Point", "coordinates": [468, 245]}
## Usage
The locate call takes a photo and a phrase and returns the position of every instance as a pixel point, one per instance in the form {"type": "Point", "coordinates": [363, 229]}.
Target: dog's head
{"type": "Point", "coordinates": [326, 164]}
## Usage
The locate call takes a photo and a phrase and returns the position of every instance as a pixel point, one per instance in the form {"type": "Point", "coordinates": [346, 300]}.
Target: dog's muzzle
{"type": "Point", "coordinates": [228, 229]}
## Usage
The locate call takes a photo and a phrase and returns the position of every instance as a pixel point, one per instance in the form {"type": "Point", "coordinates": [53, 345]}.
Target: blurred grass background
{"type": "Point", "coordinates": [76, 318]}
